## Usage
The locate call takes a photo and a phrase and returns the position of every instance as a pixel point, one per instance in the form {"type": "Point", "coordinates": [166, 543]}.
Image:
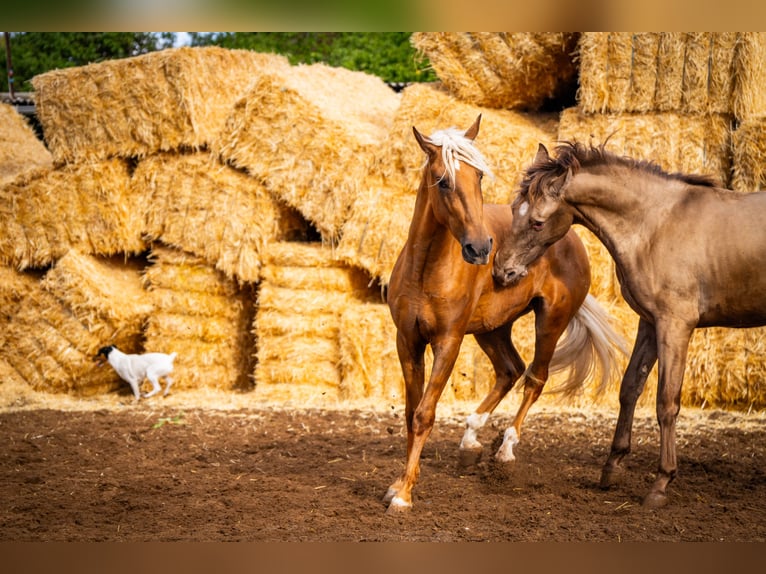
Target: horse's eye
{"type": "Point", "coordinates": [444, 184]}
{"type": "Point", "coordinates": [481, 176]}
{"type": "Point", "coordinates": [536, 224]}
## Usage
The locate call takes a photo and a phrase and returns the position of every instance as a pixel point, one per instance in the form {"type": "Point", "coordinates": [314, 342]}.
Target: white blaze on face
{"type": "Point", "coordinates": [523, 208]}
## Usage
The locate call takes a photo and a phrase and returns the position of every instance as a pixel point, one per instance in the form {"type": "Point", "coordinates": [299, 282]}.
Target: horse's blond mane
{"type": "Point", "coordinates": [457, 148]}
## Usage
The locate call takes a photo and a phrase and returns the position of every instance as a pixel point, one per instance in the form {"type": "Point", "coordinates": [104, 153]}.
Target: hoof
{"type": "Point", "coordinates": [610, 477]}
{"type": "Point", "coordinates": [468, 458]}
{"type": "Point", "coordinates": [390, 494]}
{"type": "Point", "coordinates": [655, 500]}
{"type": "Point", "coordinates": [398, 506]}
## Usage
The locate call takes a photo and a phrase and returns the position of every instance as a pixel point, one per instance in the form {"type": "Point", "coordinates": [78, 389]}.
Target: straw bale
{"type": "Point", "coordinates": [685, 72]}
{"type": "Point", "coordinates": [749, 155]}
{"type": "Point", "coordinates": [725, 368]}
{"type": "Point", "coordinates": [78, 306]}
{"type": "Point", "coordinates": [14, 286]}
{"type": "Point", "coordinates": [677, 142]}
{"type": "Point", "coordinates": [166, 100]}
{"type": "Point", "coordinates": [377, 228]}
{"type": "Point", "coordinates": [202, 315]}
{"type": "Point", "coordinates": [507, 139]}
{"type": "Point", "coordinates": [306, 132]}
{"type": "Point", "coordinates": [88, 206]}
{"type": "Point", "coordinates": [211, 210]}
{"type": "Point", "coordinates": [20, 149]}
{"type": "Point", "coordinates": [750, 76]}
{"type": "Point", "coordinates": [509, 70]}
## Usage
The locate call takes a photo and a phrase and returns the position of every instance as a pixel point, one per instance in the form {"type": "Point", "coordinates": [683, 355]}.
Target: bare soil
{"type": "Point", "coordinates": [158, 471]}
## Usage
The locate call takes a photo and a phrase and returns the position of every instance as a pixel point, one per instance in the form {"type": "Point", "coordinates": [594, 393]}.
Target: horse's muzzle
{"type": "Point", "coordinates": [477, 254]}
{"type": "Point", "coordinates": [509, 275]}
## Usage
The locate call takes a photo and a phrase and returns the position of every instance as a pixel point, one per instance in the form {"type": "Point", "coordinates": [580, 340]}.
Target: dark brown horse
{"type": "Point", "coordinates": [688, 254]}
{"type": "Point", "coordinates": [442, 288]}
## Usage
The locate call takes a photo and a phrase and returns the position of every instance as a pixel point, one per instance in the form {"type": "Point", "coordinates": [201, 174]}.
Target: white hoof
{"type": "Point", "coordinates": [472, 425]}
{"type": "Point", "coordinates": [505, 452]}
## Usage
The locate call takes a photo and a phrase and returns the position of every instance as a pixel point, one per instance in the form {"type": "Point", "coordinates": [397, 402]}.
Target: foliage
{"type": "Point", "coordinates": [388, 55]}
{"type": "Point", "coordinates": [38, 52]}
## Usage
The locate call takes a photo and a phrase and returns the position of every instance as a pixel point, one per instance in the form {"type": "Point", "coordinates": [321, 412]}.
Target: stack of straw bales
{"type": "Point", "coordinates": [510, 70]}
{"type": "Point", "coordinates": [301, 298]}
{"type": "Point", "coordinates": [166, 100]}
{"type": "Point", "coordinates": [203, 316]}
{"type": "Point", "coordinates": [20, 150]}
{"type": "Point", "coordinates": [81, 304]}
{"type": "Point", "coordinates": [305, 131]}
{"type": "Point", "coordinates": [676, 99]}
{"type": "Point", "coordinates": [380, 217]}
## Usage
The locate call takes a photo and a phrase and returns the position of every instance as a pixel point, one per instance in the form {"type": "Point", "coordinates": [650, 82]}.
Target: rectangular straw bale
{"type": "Point", "coordinates": [684, 72]}
{"type": "Point", "coordinates": [508, 70]}
{"type": "Point", "coordinates": [98, 290]}
{"type": "Point", "coordinates": [20, 149]}
{"type": "Point", "coordinates": [165, 100]}
{"type": "Point", "coordinates": [60, 324]}
{"type": "Point", "coordinates": [86, 206]}
{"type": "Point", "coordinates": [377, 228]}
{"type": "Point", "coordinates": [306, 132]}
{"type": "Point", "coordinates": [677, 142]}
{"type": "Point", "coordinates": [749, 83]}
{"type": "Point", "coordinates": [749, 155]}
{"type": "Point", "coordinates": [212, 210]}
{"type": "Point", "coordinates": [202, 315]}
{"type": "Point", "coordinates": [507, 139]}
{"type": "Point", "coordinates": [725, 368]}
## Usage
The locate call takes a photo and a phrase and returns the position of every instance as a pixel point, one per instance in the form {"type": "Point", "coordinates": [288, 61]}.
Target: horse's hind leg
{"type": "Point", "coordinates": [550, 324]}
{"type": "Point", "coordinates": [642, 360]}
{"type": "Point", "coordinates": [508, 367]}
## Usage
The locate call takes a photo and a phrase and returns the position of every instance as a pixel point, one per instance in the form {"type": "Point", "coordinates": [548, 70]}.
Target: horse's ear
{"type": "Point", "coordinates": [567, 179]}
{"type": "Point", "coordinates": [473, 131]}
{"type": "Point", "coordinates": [424, 143]}
{"type": "Point", "coordinates": [542, 154]}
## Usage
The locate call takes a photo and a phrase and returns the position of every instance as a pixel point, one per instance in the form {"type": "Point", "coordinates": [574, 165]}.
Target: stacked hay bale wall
{"type": "Point", "coordinates": [80, 305]}
{"type": "Point", "coordinates": [305, 131]}
{"type": "Point", "coordinates": [203, 316]}
{"type": "Point", "coordinates": [164, 100]}
{"type": "Point", "coordinates": [519, 70]}
{"type": "Point", "coordinates": [680, 100]}
{"type": "Point", "coordinates": [20, 150]}
{"type": "Point", "coordinates": [301, 298]}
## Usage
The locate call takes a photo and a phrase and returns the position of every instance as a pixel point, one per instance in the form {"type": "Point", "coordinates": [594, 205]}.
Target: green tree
{"type": "Point", "coordinates": [388, 55]}
{"type": "Point", "coordinates": [34, 53]}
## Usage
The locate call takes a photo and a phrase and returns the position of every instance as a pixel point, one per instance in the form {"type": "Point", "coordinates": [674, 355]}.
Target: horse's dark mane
{"type": "Point", "coordinates": [574, 155]}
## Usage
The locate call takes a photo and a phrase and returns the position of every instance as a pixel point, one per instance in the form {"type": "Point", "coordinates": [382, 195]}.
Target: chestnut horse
{"type": "Point", "coordinates": [688, 254]}
{"type": "Point", "coordinates": [442, 288]}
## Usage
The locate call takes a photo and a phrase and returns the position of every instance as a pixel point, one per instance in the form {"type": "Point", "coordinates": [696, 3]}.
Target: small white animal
{"type": "Point", "coordinates": [133, 369]}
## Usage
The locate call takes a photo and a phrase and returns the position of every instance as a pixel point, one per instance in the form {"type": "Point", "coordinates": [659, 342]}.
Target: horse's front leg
{"type": "Point", "coordinates": [508, 367]}
{"type": "Point", "coordinates": [420, 421]}
{"type": "Point", "coordinates": [411, 358]}
{"type": "Point", "coordinates": [673, 344]}
{"type": "Point", "coordinates": [641, 362]}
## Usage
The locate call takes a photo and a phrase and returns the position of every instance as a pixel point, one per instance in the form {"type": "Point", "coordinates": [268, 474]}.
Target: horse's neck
{"type": "Point", "coordinates": [611, 206]}
{"type": "Point", "coordinates": [428, 241]}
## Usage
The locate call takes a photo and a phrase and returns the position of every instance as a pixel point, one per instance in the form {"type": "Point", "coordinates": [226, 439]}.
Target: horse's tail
{"type": "Point", "coordinates": [590, 347]}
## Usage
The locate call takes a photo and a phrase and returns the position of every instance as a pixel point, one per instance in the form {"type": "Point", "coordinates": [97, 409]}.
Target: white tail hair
{"type": "Point", "coordinates": [590, 347]}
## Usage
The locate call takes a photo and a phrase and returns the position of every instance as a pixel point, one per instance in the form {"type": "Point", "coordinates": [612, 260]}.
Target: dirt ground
{"type": "Point", "coordinates": [180, 470]}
